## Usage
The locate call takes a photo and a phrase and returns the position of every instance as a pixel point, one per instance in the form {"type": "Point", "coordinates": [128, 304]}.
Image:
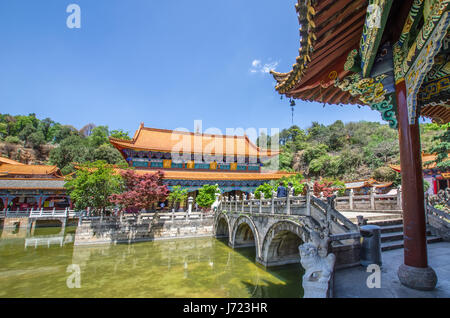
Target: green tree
{"type": "Point", "coordinates": [93, 185]}
{"type": "Point", "coordinates": [442, 149]}
{"type": "Point", "coordinates": [72, 149]}
{"type": "Point", "coordinates": [266, 189]}
{"type": "Point", "coordinates": [36, 140]}
{"type": "Point", "coordinates": [107, 153]}
{"type": "Point", "coordinates": [207, 195]}
{"type": "Point", "coordinates": [12, 140]}
{"type": "Point", "coordinates": [119, 134]}
{"type": "Point", "coordinates": [99, 136]}
{"type": "Point", "coordinates": [177, 195]}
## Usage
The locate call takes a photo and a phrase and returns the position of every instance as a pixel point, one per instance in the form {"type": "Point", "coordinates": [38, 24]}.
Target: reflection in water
{"type": "Point", "coordinates": [202, 267]}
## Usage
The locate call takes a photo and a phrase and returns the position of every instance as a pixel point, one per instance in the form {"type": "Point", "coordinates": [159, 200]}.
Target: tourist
{"type": "Point", "coordinates": [281, 191]}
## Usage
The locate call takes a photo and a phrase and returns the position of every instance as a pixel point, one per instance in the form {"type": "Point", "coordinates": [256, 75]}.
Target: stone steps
{"type": "Point", "coordinates": [392, 234]}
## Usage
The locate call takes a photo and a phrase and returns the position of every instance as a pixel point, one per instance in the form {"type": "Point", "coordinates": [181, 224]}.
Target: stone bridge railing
{"type": "Point", "coordinates": [438, 222]}
{"type": "Point", "coordinates": [321, 209]}
{"type": "Point", "coordinates": [370, 202]}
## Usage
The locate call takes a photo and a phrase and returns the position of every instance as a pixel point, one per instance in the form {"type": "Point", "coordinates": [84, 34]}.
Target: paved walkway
{"type": "Point", "coordinates": [352, 216]}
{"type": "Point", "coordinates": [351, 282]}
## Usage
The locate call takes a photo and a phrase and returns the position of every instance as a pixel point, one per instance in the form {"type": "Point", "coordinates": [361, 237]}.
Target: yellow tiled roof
{"type": "Point", "coordinates": [153, 139]}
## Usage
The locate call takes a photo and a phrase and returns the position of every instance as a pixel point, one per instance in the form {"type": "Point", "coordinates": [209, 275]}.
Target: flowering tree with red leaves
{"type": "Point", "coordinates": [141, 191]}
{"type": "Point", "coordinates": [324, 187]}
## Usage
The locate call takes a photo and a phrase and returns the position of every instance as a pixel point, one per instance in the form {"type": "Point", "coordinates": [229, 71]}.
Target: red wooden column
{"type": "Point", "coordinates": [414, 272]}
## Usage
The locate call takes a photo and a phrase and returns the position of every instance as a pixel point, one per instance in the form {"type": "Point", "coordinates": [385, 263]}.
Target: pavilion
{"type": "Point", "coordinates": [27, 187]}
{"type": "Point", "coordinates": [393, 57]}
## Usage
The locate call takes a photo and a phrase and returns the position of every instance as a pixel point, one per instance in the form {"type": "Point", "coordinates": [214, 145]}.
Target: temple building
{"type": "Point", "coordinates": [438, 179]}
{"type": "Point", "coordinates": [391, 56]}
{"type": "Point", "coordinates": [192, 160]}
{"type": "Point", "coordinates": [27, 187]}
{"type": "Point", "coordinates": [364, 186]}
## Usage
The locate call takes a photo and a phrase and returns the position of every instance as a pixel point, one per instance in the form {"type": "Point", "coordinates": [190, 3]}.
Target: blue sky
{"type": "Point", "coordinates": [162, 62]}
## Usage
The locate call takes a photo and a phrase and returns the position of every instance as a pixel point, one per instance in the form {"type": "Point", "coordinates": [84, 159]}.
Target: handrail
{"type": "Point", "coordinates": [433, 211]}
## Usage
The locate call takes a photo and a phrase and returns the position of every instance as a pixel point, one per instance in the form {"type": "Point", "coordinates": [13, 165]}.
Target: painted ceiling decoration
{"type": "Point", "coordinates": [347, 56]}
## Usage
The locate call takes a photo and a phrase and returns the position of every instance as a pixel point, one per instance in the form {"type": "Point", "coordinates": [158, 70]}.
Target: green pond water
{"type": "Point", "coordinates": [200, 267]}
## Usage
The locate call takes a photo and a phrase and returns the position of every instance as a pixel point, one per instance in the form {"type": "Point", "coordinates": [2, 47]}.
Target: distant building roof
{"type": "Point", "coordinates": [4, 160]}
{"type": "Point", "coordinates": [366, 183]}
{"type": "Point", "coordinates": [152, 139]}
{"type": "Point", "coordinates": [9, 170]}
{"type": "Point", "coordinates": [425, 158]}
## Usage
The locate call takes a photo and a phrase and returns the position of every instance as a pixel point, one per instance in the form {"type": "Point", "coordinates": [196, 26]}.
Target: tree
{"type": "Point", "coordinates": [93, 186]}
{"type": "Point", "coordinates": [99, 136]}
{"type": "Point", "coordinates": [36, 140]}
{"type": "Point", "coordinates": [207, 195]}
{"type": "Point", "coordinates": [266, 189]}
{"type": "Point", "coordinates": [442, 149]}
{"type": "Point", "coordinates": [119, 134]}
{"type": "Point", "coordinates": [177, 195]}
{"type": "Point", "coordinates": [109, 154]}
{"type": "Point", "coordinates": [141, 191]}
{"type": "Point", "coordinates": [26, 132]}
{"type": "Point", "coordinates": [72, 149]}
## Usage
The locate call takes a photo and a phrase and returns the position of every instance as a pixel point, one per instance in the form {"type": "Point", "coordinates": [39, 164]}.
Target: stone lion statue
{"type": "Point", "coordinates": [318, 267]}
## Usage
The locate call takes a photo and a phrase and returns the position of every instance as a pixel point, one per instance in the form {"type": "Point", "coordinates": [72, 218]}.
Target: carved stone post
{"type": "Point", "coordinates": [190, 201]}
{"type": "Point", "coordinates": [252, 196]}
{"type": "Point", "coordinates": [236, 203]}
{"type": "Point", "coordinates": [308, 199]}
{"type": "Point", "coordinates": [272, 211]}
{"type": "Point", "coordinates": [372, 198]}
{"type": "Point", "coordinates": [350, 199]}
{"type": "Point", "coordinates": [399, 197]}
{"type": "Point", "coordinates": [261, 198]}
{"type": "Point", "coordinates": [244, 197]}
{"type": "Point", "coordinates": [288, 200]}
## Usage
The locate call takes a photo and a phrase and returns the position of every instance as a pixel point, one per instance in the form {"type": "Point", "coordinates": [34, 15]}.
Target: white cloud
{"type": "Point", "coordinates": [258, 67]}
{"type": "Point", "coordinates": [256, 63]}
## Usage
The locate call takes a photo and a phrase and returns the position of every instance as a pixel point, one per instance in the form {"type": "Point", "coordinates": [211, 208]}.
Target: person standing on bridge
{"type": "Point", "coordinates": [281, 191]}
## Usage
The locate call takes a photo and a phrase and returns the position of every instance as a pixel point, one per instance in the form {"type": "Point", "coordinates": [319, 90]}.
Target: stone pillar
{"type": "Point", "coordinates": [288, 200]}
{"type": "Point", "coordinates": [244, 197]}
{"type": "Point", "coordinates": [372, 198]}
{"type": "Point", "coordinates": [236, 203]}
{"type": "Point", "coordinates": [274, 194]}
{"type": "Point", "coordinates": [190, 201]}
{"type": "Point", "coordinates": [350, 199]}
{"type": "Point", "coordinates": [252, 196]}
{"type": "Point", "coordinates": [399, 197]}
{"type": "Point", "coordinates": [415, 272]}
{"type": "Point", "coordinates": [308, 200]}
{"type": "Point", "coordinates": [261, 198]}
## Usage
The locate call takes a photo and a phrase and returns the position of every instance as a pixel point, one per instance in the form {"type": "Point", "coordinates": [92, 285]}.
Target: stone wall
{"type": "Point", "coordinates": [110, 231]}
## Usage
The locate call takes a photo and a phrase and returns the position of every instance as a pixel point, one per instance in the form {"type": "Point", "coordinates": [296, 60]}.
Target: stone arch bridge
{"type": "Point", "coordinates": [277, 226]}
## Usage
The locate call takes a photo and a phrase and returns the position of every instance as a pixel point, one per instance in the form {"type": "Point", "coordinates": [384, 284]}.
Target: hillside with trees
{"type": "Point", "coordinates": [352, 151]}
{"type": "Point", "coordinates": [30, 140]}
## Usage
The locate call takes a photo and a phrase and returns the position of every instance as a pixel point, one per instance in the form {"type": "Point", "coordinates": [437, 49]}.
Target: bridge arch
{"type": "Point", "coordinates": [280, 244]}
{"type": "Point", "coordinates": [222, 226]}
{"type": "Point", "coordinates": [245, 233]}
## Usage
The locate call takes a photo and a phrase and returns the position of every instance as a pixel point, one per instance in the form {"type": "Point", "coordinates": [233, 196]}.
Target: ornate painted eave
{"type": "Point", "coordinates": [329, 30]}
